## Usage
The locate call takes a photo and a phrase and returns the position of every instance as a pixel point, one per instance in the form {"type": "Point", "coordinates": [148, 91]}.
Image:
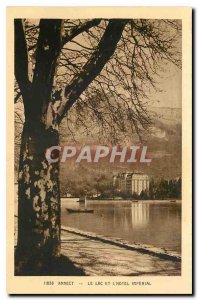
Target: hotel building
{"type": "Point", "coordinates": [131, 182]}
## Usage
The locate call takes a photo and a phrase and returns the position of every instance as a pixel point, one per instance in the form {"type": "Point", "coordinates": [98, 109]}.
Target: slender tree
{"type": "Point", "coordinates": [103, 70]}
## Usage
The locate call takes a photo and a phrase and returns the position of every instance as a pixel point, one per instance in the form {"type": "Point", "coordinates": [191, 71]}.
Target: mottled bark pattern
{"type": "Point", "coordinates": [39, 201]}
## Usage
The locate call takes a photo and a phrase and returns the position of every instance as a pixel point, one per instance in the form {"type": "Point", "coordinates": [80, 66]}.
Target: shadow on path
{"type": "Point", "coordinates": [60, 266]}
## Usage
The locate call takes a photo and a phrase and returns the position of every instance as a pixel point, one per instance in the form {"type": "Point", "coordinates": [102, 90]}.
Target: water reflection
{"type": "Point", "coordinates": [155, 223]}
{"type": "Point", "coordinates": [140, 214]}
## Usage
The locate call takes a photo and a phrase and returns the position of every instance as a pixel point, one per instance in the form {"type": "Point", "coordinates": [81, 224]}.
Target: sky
{"type": "Point", "coordinates": [171, 84]}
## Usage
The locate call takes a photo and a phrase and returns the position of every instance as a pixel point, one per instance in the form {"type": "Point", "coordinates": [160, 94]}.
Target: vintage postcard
{"type": "Point", "coordinates": [99, 182]}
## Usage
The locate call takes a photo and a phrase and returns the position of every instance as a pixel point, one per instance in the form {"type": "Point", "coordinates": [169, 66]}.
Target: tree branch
{"type": "Point", "coordinates": [79, 29]}
{"type": "Point", "coordinates": [48, 49]}
{"type": "Point", "coordinates": [74, 32]}
{"type": "Point", "coordinates": [21, 58]}
{"type": "Point", "coordinates": [16, 98]}
{"type": "Point", "coordinates": [93, 67]}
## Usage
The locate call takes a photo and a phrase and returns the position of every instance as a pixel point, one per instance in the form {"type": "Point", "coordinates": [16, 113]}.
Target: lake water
{"type": "Point", "coordinates": [155, 223]}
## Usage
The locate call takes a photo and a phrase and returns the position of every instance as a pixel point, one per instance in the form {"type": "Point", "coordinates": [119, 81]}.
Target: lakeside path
{"type": "Point", "coordinates": [103, 258]}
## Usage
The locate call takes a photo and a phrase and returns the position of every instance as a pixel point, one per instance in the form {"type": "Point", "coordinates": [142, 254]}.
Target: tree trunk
{"type": "Point", "coordinates": [38, 197]}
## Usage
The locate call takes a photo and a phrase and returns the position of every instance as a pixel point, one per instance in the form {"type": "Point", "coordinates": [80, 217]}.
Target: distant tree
{"type": "Point", "coordinates": [144, 195]}
{"type": "Point", "coordinates": [162, 190]}
{"type": "Point", "coordinates": [152, 189]}
{"type": "Point", "coordinates": [179, 188]}
{"type": "Point", "coordinates": [165, 189]}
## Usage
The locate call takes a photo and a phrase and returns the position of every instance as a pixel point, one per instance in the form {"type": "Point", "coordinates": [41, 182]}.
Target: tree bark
{"type": "Point", "coordinates": [38, 196]}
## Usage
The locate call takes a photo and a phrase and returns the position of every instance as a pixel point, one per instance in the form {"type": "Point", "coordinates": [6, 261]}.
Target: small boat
{"type": "Point", "coordinates": [134, 200]}
{"type": "Point", "coordinates": [72, 210]}
{"type": "Point", "coordinates": [172, 201]}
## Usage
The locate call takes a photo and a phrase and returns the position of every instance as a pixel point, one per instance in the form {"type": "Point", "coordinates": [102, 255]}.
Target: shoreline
{"type": "Point", "coordinates": [100, 256]}
{"type": "Point", "coordinates": [127, 200]}
{"type": "Point", "coordinates": [141, 248]}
